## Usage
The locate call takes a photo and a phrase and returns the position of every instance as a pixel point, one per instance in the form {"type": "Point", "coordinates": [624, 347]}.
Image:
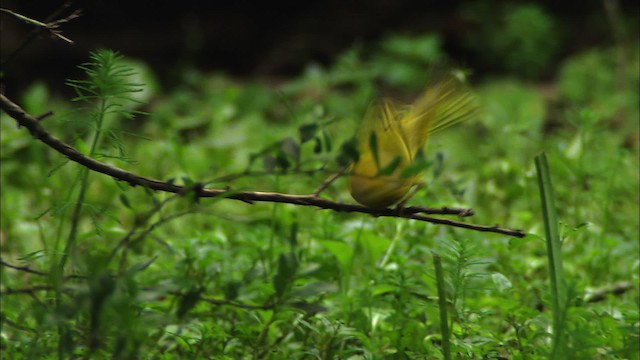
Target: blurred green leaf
{"type": "Point", "coordinates": [307, 132]}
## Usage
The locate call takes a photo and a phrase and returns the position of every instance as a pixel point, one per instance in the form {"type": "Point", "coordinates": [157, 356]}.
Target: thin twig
{"type": "Point", "coordinates": [602, 293]}
{"type": "Point", "coordinates": [44, 115]}
{"type": "Point", "coordinates": [48, 24]}
{"type": "Point", "coordinates": [22, 268]}
{"type": "Point", "coordinates": [27, 290]}
{"type": "Point", "coordinates": [51, 26]}
{"type": "Point", "coordinates": [35, 272]}
{"type": "Point", "coordinates": [328, 181]}
{"type": "Point", "coordinates": [21, 327]}
{"type": "Point", "coordinates": [416, 213]}
{"type": "Point", "coordinates": [219, 302]}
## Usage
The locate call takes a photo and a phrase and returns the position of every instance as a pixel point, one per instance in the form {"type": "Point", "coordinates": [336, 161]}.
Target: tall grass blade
{"type": "Point", "coordinates": [554, 255]}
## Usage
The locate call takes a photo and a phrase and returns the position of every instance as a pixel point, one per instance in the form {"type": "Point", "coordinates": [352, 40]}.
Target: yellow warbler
{"type": "Point", "coordinates": [389, 139]}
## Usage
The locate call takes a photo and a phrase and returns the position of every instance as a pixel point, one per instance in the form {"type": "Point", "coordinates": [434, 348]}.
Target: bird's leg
{"type": "Point", "coordinates": [328, 181]}
{"type": "Point", "coordinates": [412, 192]}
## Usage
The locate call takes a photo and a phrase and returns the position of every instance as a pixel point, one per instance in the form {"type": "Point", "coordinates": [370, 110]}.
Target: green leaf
{"type": "Point", "coordinates": [32, 256]}
{"type": "Point", "coordinates": [290, 147]}
{"type": "Point", "coordinates": [419, 165]}
{"type": "Point", "coordinates": [269, 163]}
{"type": "Point", "coordinates": [125, 201]}
{"type": "Point", "coordinates": [307, 132]}
{"type": "Point", "coordinates": [287, 267]}
{"type": "Point", "coordinates": [281, 160]}
{"type": "Point", "coordinates": [314, 289]}
{"type": "Point", "coordinates": [439, 164]}
{"type": "Point", "coordinates": [317, 147]}
{"type": "Point", "coordinates": [187, 181]}
{"type": "Point", "coordinates": [188, 301]}
{"type": "Point", "coordinates": [501, 282]}
{"type": "Point", "coordinates": [391, 167]}
{"type": "Point", "coordinates": [140, 266]}
{"type": "Point", "coordinates": [341, 250]}
{"type": "Point", "coordinates": [373, 145]}
{"type": "Point", "coordinates": [554, 255]}
{"type": "Point", "coordinates": [231, 290]}
{"type": "Point", "coordinates": [310, 308]}
{"type": "Point", "coordinates": [375, 247]}
{"type": "Point", "coordinates": [382, 289]}
{"type": "Point", "coordinates": [327, 141]}
{"type": "Point", "coordinates": [348, 152]}
{"type": "Point", "coordinates": [293, 237]}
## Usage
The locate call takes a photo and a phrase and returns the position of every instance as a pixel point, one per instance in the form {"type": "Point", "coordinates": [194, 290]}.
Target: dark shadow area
{"type": "Point", "coordinates": [249, 39]}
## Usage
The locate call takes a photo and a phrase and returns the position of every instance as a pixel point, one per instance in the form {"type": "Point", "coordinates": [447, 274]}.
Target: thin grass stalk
{"type": "Point", "coordinates": [554, 255]}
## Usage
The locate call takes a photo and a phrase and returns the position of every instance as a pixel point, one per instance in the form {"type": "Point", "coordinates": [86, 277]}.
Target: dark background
{"type": "Point", "coordinates": [249, 39]}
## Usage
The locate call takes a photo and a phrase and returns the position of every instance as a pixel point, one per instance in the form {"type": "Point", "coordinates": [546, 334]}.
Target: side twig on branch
{"type": "Point", "coordinates": [413, 212]}
{"type": "Point", "coordinates": [50, 25]}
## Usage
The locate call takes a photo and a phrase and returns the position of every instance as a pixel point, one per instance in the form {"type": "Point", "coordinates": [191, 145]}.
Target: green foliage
{"type": "Point", "coordinates": [402, 60]}
{"type": "Point", "coordinates": [602, 81]}
{"type": "Point", "coordinates": [155, 275]}
{"type": "Point", "coordinates": [523, 39]}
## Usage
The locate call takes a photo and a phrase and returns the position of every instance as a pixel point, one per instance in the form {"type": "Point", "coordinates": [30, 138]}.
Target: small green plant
{"type": "Point", "coordinates": [106, 92]}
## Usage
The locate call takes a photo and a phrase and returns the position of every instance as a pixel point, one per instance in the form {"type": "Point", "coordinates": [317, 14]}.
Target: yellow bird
{"type": "Point", "coordinates": [389, 139]}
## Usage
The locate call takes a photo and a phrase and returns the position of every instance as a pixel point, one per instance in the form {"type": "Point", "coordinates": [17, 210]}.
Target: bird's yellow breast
{"type": "Point", "coordinates": [378, 191]}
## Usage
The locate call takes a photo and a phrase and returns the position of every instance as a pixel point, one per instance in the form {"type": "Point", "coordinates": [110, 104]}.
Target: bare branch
{"type": "Point", "coordinates": [413, 212]}
{"type": "Point", "coordinates": [47, 25]}
{"type": "Point", "coordinates": [22, 268]}
{"type": "Point", "coordinates": [220, 302]}
{"type": "Point", "coordinates": [13, 324]}
{"type": "Point", "coordinates": [35, 272]}
{"type": "Point", "coordinates": [53, 26]}
{"type": "Point", "coordinates": [602, 293]}
{"type": "Point", "coordinates": [27, 290]}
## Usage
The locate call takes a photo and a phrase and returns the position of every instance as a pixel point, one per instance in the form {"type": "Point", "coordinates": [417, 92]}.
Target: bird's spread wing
{"type": "Point", "coordinates": [442, 105]}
